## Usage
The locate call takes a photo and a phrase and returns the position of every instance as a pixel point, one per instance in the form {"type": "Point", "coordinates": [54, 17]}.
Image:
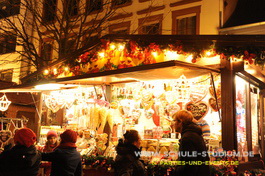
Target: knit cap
{"type": "Point", "coordinates": [51, 133]}
{"type": "Point", "coordinates": [68, 138]}
{"type": "Point", "coordinates": [25, 136]}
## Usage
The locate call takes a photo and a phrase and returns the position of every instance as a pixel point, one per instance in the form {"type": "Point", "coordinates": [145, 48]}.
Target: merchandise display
{"type": "Point", "coordinates": [146, 106]}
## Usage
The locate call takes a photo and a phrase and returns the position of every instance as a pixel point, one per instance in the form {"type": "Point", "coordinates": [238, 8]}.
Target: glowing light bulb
{"type": "Point", "coordinates": [102, 54]}
{"type": "Point", "coordinates": [154, 54]}
{"type": "Point", "coordinates": [46, 72]}
{"type": "Point", "coordinates": [189, 58]}
{"type": "Point", "coordinates": [121, 47]}
{"type": "Point", "coordinates": [66, 69]}
{"type": "Point", "coordinates": [55, 70]}
{"type": "Point", "coordinates": [112, 46]}
{"type": "Point", "coordinates": [171, 55]}
{"type": "Point", "coordinates": [208, 53]}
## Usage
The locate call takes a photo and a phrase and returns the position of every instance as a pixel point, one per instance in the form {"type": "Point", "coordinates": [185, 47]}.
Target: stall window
{"type": "Point", "coordinates": [241, 90]}
{"type": "Point", "coordinates": [247, 115]}
{"type": "Point", "coordinates": [49, 10]}
{"type": "Point", "coordinates": [186, 21]}
{"type": "Point", "coordinates": [151, 25]}
{"type": "Point", "coordinates": [120, 28]}
{"type": "Point", "coordinates": [254, 97]}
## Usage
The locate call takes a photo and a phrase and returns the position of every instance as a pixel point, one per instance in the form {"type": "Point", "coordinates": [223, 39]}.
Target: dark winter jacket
{"type": "Point", "coordinates": [127, 161]}
{"type": "Point", "coordinates": [65, 162]}
{"type": "Point", "coordinates": [192, 152]}
{"type": "Point", "coordinates": [20, 161]}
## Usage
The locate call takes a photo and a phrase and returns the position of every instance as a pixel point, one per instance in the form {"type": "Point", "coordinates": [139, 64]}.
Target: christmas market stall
{"type": "Point", "coordinates": [139, 82]}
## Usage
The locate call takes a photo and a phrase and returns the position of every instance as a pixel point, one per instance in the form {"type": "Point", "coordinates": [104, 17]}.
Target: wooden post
{"type": "Point", "coordinates": [228, 106]}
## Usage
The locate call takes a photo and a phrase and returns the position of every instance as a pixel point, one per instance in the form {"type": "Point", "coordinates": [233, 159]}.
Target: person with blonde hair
{"type": "Point", "coordinates": [192, 149]}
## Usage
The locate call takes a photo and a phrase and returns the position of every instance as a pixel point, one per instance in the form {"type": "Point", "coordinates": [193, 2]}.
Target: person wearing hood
{"type": "Point", "coordinates": [50, 145]}
{"type": "Point", "coordinates": [192, 149]}
{"type": "Point", "coordinates": [23, 159]}
{"type": "Point", "coordinates": [66, 160]}
{"type": "Point", "coordinates": [127, 162]}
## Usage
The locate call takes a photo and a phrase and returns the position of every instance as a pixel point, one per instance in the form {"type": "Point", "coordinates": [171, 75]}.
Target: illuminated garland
{"type": "Point", "coordinates": [112, 56]}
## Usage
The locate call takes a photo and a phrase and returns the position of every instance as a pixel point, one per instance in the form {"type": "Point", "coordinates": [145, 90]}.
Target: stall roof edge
{"type": "Point", "coordinates": [258, 40]}
{"type": "Point", "coordinates": [117, 73]}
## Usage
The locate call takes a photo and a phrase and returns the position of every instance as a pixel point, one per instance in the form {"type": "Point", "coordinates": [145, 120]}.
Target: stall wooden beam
{"type": "Point", "coordinates": [228, 110]}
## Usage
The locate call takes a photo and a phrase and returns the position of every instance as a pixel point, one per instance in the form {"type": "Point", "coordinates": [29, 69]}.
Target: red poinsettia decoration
{"type": "Point", "coordinates": [249, 56]}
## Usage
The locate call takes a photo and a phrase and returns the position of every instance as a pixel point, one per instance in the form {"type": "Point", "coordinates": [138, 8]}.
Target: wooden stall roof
{"type": "Point", "coordinates": [163, 70]}
{"type": "Point", "coordinates": [153, 71]}
{"type": "Point", "coordinates": [199, 40]}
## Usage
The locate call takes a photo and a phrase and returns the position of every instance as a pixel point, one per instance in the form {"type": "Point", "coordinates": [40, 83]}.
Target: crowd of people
{"type": "Point", "coordinates": [61, 158]}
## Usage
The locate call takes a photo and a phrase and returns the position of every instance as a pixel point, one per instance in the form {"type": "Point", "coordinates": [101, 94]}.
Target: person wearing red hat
{"type": "Point", "coordinates": [50, 145]}
{"type": "Point", "coordinates": [52, 141]}
{"type": "Point", "coordinates": [23, 159]}
{"type": "Point", "coordinates": [66, 160]}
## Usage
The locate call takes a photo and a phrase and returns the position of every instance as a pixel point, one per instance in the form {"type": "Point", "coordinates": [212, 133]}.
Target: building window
{"type": "Point", "coordinates": [49, 10]}
{"type": "Point", "coordinates": [93, 5]}
{"type": "Point", "coordinates": [9, 8]}
{"type": "Point", "coordinates": [151, 29]}
{"type": "Point", "coordinates": [120, 2]}
{"type": "Point", "coordinates": [6, 75]}
{"type": "Point", "coordinates": [46, 53]}
{"type": "Point", "coordinates": [89, 40]}
{"type": "Point", "coordinates": [71, 7]}
{"type": "Point", "coordinates": [186, 21]}
{"type": "Point", "coordinates": [7, 44]}
{"type": "Point", "coordinates": [186, 25]}
{"type": "Point", "coordinates": [151, 25]}
{"type": "Point", "coordinates": [120, 28]}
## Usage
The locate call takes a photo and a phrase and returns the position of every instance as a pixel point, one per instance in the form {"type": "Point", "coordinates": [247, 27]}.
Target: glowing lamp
{"type": "Point", "coordinates": [112, 46]}
{"type": "Point", "coordinates": [121, 47]}
{"type": "Point", "coordinates": [102, 54]}
{"type": "Point", "coordinates": [189, 58]}
{"type": "Point", "coordinates": [154, 54]}
{"type": "Point", "coordinates": [46, 72]}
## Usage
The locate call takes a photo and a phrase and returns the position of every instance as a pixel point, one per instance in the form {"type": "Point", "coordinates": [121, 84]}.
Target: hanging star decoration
{"type": "Point", "coordinates": [4, 103]}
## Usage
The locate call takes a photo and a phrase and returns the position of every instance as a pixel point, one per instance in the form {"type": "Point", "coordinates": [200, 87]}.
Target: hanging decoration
{"type": "Point", "coordinates": [114, 55]}
{"type": "Point", "coordinates": [4, 103]}
{"type": "Point", "coordinates": [182, 88]}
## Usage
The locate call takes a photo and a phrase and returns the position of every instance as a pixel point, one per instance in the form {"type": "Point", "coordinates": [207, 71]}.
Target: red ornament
{"type": "Point", "coordinates": [250, 61]}
{"type": "Point", "coordinates": [194, 60]}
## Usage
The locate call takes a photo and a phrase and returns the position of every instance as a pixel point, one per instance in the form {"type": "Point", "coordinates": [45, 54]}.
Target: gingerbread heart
{"type": "Point", "coordinates": [52, 103]}
{"type": "Point", "coordinates": [198, 93]}
{"type": "Point", "coordinates": [198, 110]}
{"type": "Point", "coordinates": [212, 103]}
{"type": "Point", "coordinates": [5, 135]}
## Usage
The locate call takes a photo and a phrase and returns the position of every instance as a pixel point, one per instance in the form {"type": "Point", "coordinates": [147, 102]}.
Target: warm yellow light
{"type": "Point", "coordinates": [55, 70]}
{"type": "Point", "coordinates": [66, 69]}
{"type": "Point", "coordinates": [112, 46]}
{"type": "Point", "coordinates": [251, 71]}
{"type": "Point", "coordinates": [171, 55]}
{"type": "Point", "coordinates": [46, 72]}
{"type": "Point", "coordinates": [154, 54]}
{"type": "Point", "coordinates": [189, 58]}
{"type": "Point", "coordinates": [121, 47]}
{"type": "Point", "coordinates": [102, 54]}
{"type": "Point", "coordinates": [48, 87]}
{"type": "Point", "coordinates": [208, 53]}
